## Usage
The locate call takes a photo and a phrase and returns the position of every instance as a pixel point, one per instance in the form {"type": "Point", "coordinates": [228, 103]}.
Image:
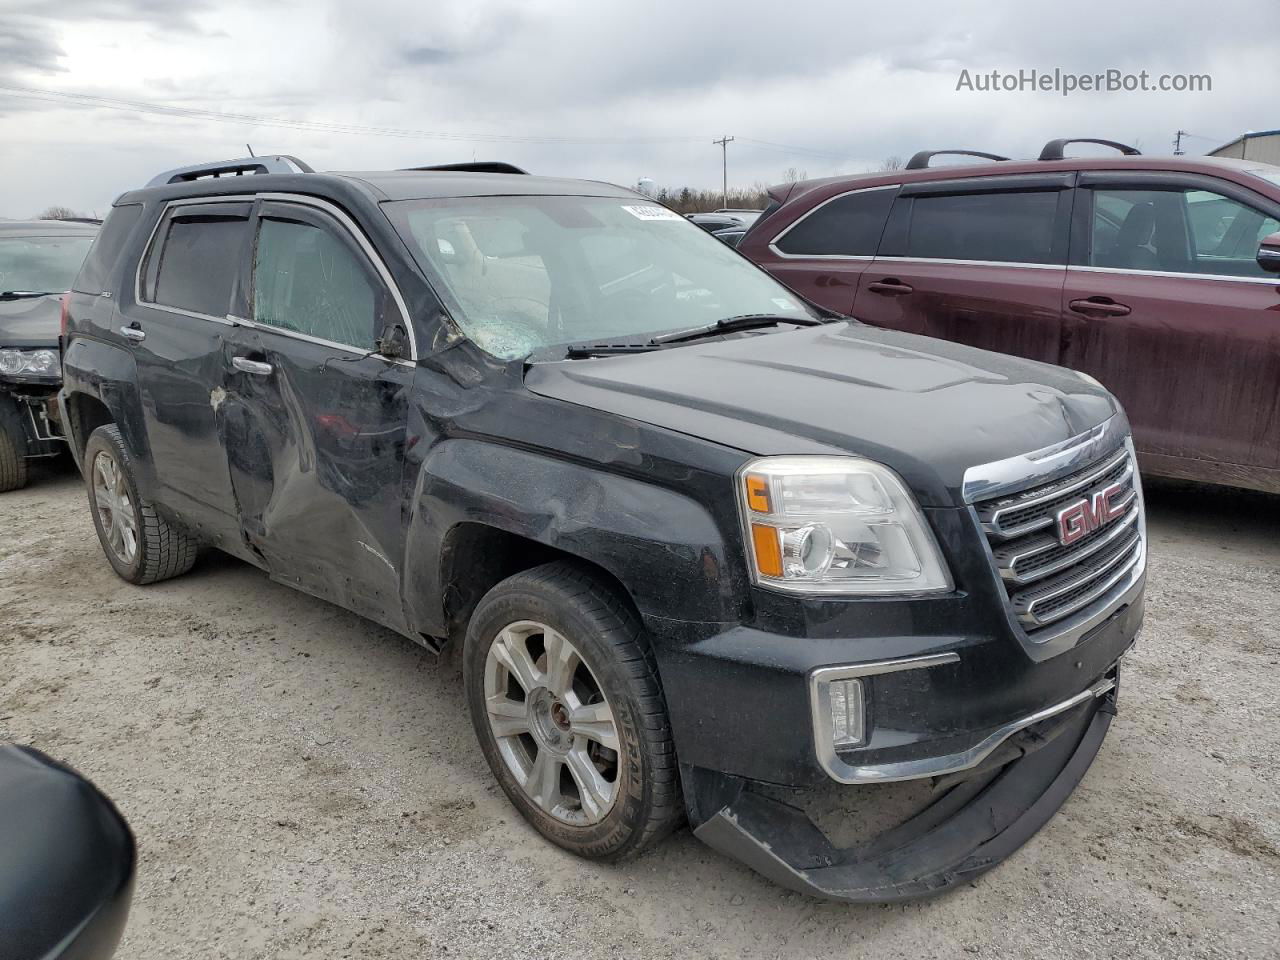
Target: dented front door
{"type": "Point", "coordinates": [315, 419]}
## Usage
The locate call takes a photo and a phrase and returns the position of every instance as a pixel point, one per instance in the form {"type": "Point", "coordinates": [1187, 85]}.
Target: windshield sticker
{"type": "Point", "coordinates": [782, 303]}
{"type": "Point", "coordinates": [649, 211]}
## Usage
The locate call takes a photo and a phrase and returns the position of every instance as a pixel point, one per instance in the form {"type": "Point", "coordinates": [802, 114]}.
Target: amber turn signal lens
{"type": "Point", "coordinates": [757, 493]}
{"type": "Point", "coordinates": [768, 550]}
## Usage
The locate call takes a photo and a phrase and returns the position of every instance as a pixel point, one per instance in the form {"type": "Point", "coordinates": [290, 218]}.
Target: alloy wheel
{"type": "Point", "coordinates": [116, 512]}
{"type": "Point", "coordinates": [552, 723]}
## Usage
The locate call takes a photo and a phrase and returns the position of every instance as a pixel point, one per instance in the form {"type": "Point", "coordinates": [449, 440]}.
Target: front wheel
{"type": "Point", "coordinates": [13, 450]}
{"type": "Point", "coordinates": [565, 701]}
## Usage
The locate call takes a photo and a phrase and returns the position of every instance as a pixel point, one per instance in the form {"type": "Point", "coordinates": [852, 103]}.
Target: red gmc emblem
{"type": "Point", "coordinates": [1085, 516]}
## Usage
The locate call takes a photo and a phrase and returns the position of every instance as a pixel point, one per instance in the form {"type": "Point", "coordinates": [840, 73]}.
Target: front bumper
{"type": "Point", "coordinates": [971, 825]}
{"type": "Point", "coordinates": [32, 410]}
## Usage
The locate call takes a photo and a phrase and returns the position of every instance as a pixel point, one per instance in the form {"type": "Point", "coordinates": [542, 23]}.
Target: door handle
{"type": "Point", "coordinates": [256, 367]}
{"type": "Point", "coordinates": [1101, 306]}
{"type": "Point", "coordinates": [889, 288]}
{"type": "Point", "coordinates": [136, 334]}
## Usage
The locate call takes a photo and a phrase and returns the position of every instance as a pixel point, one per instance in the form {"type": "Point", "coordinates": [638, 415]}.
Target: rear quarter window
{"type": "Point", "coordinates": [848, 226]}
{"type": "Point", "coordinates": [98, 269]}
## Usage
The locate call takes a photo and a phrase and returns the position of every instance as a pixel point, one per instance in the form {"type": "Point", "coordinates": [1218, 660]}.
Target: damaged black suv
{"type": "Point", "coordinates": [38, 259]}
{"type": "Point", "coordinates": [703, 546]}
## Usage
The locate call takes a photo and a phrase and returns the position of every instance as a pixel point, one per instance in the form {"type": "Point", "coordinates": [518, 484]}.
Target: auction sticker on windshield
{"type": "Point", "coordinates": [649, 211]}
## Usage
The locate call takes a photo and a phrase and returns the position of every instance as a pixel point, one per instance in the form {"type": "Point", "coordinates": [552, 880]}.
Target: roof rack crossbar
{"type": "Point", "coordinates": [475, 166]}
{"type": "Point", "coordinates": [920, 161]}
{"type": "Point", "coordinates": [1055, 149]}
{"type": "Point", "coordinates": [280, 163]}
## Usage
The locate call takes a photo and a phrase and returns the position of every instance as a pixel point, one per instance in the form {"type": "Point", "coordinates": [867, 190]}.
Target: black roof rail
{"type": "Point", "coordinates": [243, 166]}
{"type": "Point", "coordinates": [475, 166]}
{"type": "Point", "coordinates": [1054, 149]}
{"type": "Point", "coordinates": [920, 161]}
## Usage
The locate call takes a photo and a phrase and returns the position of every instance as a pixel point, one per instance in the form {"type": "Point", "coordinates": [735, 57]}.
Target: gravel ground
{"type": "Point", "coordinates": [303, 783]}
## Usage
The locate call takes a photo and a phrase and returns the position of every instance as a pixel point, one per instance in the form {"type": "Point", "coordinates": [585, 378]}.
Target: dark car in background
{"type": "Point", "coordinates": [38, 260]}
{"type": "Point", "coordinates": [1155, 275]}
{"type": "Point", "coordinates": [702, 545]}
{"type": "Point", "coordinates": [726, 224]}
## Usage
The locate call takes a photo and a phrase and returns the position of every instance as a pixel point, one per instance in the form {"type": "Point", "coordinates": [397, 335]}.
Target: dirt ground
{"type": "Point", "coordinates": [303, 783]}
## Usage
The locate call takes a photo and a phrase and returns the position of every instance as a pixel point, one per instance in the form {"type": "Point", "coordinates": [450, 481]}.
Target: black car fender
{"type": "Point", "coordinates": [100, 385]}
{"type": "Point", "coordinates": [662, 546]}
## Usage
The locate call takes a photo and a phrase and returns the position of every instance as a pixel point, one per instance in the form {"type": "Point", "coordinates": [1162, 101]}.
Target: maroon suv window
{"type": "Point", "coordinates": [848, 226]}
{"type": "Point", "coordinates": [1005, 227]}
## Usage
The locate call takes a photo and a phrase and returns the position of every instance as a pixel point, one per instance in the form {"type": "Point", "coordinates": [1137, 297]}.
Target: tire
{"type": "Point", "coordinates": [13, 450]}
{"type": "Point", "coordinates": [160, 550]}
{"type": "Point", "coordinates": [614, 675]}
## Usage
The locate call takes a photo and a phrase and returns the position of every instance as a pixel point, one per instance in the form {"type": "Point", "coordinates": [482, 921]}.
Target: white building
{"type": "Point", "coordinates": [1263, 146]}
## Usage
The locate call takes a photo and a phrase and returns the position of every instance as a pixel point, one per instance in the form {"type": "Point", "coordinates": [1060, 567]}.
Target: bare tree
{"type": "Point", "coordinates": [894, 162]}
{"type": "Point", "coordinates": [59, 213]}
{"type": "Point", "coordinates": [794, 175]}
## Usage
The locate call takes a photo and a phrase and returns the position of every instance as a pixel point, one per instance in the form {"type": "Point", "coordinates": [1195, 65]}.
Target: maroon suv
{"type": "Point", "coordinates": [1156, 275]}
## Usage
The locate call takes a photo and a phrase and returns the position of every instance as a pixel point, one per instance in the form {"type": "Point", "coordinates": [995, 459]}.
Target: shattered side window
{"type": "Point", "coordinates": [307, 281]}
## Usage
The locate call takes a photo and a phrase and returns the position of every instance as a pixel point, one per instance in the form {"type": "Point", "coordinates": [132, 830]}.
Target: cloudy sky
{"type": "Point", "coordinates": [594, 88]}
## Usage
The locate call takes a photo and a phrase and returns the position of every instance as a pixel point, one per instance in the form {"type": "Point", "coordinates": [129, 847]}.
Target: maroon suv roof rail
{"type": "Point", "coordinates": [1054, 149]}
{"type": "Point", "coordinates": [920, 161]}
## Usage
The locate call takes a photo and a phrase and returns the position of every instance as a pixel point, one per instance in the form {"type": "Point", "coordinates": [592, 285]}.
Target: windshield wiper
{"type": "Point", "coordinates": [24, 294]}
{"type": "Point", "coordinates": [746, 321]}
{"type": "Point", "coordinates": [579, 351]}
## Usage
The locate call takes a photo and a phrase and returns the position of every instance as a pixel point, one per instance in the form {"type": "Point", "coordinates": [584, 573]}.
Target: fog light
{"type": "Point", "coordinates": [847, 712]}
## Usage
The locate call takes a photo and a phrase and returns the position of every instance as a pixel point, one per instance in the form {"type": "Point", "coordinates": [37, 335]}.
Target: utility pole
{"type": "Point", "coordinates": [723, 143]}
{"type": "Point", "coordinates": [1177, 142]}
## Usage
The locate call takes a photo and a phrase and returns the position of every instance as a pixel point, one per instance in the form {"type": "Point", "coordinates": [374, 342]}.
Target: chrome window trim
{"type": "Point", "coordinates": [820, 702]}
{"type": "Point", "coordinates": [1269, 281]}
{"type": "Point", "coordinates": [938, 766]}
{"type": "Point", "coordinates": [319, 341]}
{"type": "Point", "coordinates": [974, 263]}
{"type": "Point", "coordinates": [773, 244]}
{"type": "Point", "coordinates": [989, 480]}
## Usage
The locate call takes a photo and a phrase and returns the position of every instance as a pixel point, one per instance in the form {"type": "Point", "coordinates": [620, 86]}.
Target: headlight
{"type": "Point", "coordinates": [840, 525]}
{"type": "Point", "coordinates": [35, 363]}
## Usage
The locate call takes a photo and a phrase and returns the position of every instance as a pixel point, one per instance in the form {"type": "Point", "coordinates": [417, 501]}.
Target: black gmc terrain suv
{"type": "Point", "coordinates": [703, 544]}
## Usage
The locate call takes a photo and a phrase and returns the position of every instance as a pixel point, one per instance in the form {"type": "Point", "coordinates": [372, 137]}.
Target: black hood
{"type": "Point", "coordinates": [927, 408]}
{"type": "Point", "coordinates": [31, 322]}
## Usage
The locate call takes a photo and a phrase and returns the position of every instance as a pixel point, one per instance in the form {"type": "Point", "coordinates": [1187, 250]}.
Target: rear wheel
{"type": "Point", "coordinates": [565, 701]}
{"type": "Point", "coordinates": [13, 450]}
{"type": "Point", "coordinates": [141, 545]}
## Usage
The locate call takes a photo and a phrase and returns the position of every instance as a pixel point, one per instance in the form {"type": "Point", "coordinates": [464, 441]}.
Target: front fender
{"type": "Point", "coordinates": [664, 547]}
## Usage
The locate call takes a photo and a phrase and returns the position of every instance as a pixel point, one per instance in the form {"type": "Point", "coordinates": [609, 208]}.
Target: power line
{"type": "Point", "coordinates": [69, 98]}
{"type": "Point", "coordinates": [320, 126]}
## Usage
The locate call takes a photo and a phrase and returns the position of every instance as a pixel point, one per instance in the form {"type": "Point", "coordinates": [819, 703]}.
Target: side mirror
{"type": "Point", "coordinates": [1269, 253]}
{"type": "Point", "coordinates": [391, 341]}
{"type": "Point", "coordinates": [66, 862]}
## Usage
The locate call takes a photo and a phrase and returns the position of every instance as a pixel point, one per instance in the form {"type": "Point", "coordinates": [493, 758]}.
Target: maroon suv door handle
{"type": "Point", "coordinates": [1099, 306]}
{"type": "Point", "coordinates": [889, 287]}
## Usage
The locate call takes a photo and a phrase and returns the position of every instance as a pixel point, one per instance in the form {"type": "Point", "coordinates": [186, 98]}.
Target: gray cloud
{"type": "Point", "coordinates": [840, 84]}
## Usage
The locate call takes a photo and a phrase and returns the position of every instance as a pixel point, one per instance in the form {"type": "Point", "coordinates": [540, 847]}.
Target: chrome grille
{"type": "Point", "coordinates": [1046, 580]}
